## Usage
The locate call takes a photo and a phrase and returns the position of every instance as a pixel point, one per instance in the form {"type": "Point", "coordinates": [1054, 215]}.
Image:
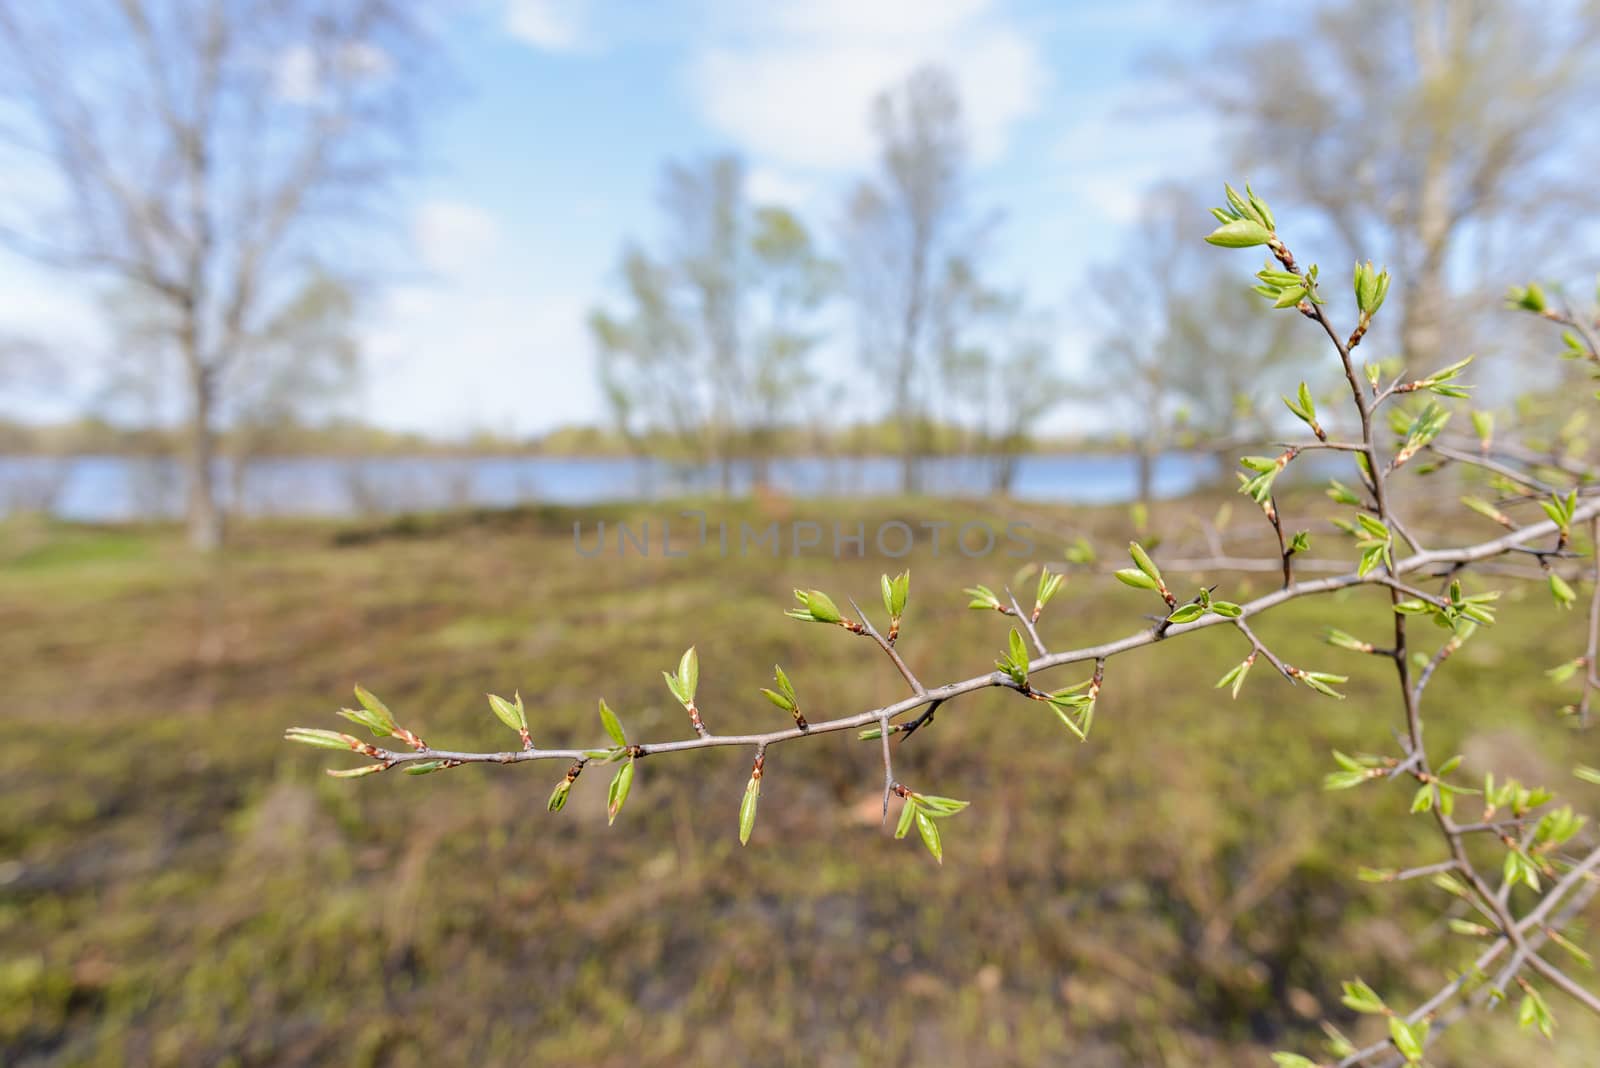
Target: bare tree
{"type": "Point", "coordinates": [902, 226]}
{"type": "Point", "coordinates": [714, 346]}
{"type": "Point", "coordinates": [646, 362]}
{"type": "Point", "coordinates": [704, 203]}
{"type": "Point", "coordinates": [201, 152]}
{"type": "Point", "coordinates": [305, 362]}
{"type": "Point", "coordinates": [1028, 387]}
{"type": "Point", "coordinates": [791, 280]}
{"type": "Point", "coordinates": [1446, 137]}
{"type": "Point", "coordinates": [996, 370]}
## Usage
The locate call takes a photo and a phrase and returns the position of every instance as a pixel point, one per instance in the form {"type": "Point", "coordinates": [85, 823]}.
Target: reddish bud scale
{"type": "Point", "coordinates": [894, 630]}
{"type": "Point", "coordinates": [527, 739]}
{"type": "Point", "coordinates": [1360, 332]}
{"type": "Point", "coordinates": [900, 791]}
{"type": "Point", "coordinates": [409, 738]}
{"type": "Point", "coordinates": [760, 765]}
{"type": "Point", "coordinates": [574, 771]}
{"type": "Point", "coordinates": [696, 722]}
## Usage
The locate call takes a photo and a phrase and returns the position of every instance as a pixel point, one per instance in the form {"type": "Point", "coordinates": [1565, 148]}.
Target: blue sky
{"type": "Point", "coordinates": [546, 159]}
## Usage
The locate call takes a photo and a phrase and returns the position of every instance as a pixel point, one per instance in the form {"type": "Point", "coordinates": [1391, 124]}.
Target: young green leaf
{"type": "Point", "coordinates": [1240, 233]}
{"type": "Point", "coordinates": [1235, 675]}
{"type": "Point", "coordinates": [426, 767]}
{"type": "Point", "coordinates": [512, 715]}
{"type": "Point", "coordinates": [1408, 1038]}
{"type": "Point", "coordinates": [930, 836]}
{"type": "Point", "coordinates": [1142, 559]}
{"type": "Point", "coordinates": [983, 597]}
{"type": "Point", "coordinates": [1359, 997]}
{"type": "Point", "coordinates": [1284, 1059]}
{"type": "Point", "coordinates": [747, 809]}
{"type": "Point", "coordinates": [814, 607]}
{"type": "Point", "coordinates": [374, 706]}
{"type": "Point", "coordinates": [321, 739]}
{"type": "Point", "coordinates": [689, 672]}
{"type": "Point", "coordinates": [908, 815]}
{"type": "Point", "coordinates": [895, 591]}
{"type": "Point", "coordinates": [367, 769]}
{"type": "Point", "coordinates": [613, 726]}
{"type": "Point", "coordinates": [1132, 576]}
{"type": "Point", "coordinates": [617, 793]}
{"type": "Point", "coordinates": [1187, 613]}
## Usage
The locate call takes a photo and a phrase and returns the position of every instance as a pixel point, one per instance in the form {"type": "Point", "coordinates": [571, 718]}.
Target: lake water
{"type": "Point", "coordinates": [111, 488]}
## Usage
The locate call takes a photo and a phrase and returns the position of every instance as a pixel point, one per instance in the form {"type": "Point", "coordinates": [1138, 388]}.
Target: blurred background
{"type": "Point", "coordinates": [324, 323]}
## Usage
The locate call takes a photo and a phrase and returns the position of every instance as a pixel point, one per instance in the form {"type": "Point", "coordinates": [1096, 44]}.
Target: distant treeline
{"type": "Point", "coordinates": [100, 437]}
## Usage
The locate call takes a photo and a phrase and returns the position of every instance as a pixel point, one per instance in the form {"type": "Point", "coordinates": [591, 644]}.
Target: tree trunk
{"type": "Point", "coordinates": [910, 484]}
{"type": "Point", "coordinates": [204, 513]}
{"type": "Point", "coordinates": [1145, 483]}
{"type": "Point", "coordinates": [1005, 473]}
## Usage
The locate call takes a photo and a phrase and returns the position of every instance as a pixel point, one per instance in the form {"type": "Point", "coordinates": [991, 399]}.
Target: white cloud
{"type": "Point", "coordinates": [299, 74]}
{"type": "Point", "coordinates": [51, 336]}
{"type": "Point", "coordinates": [553, 25]}
{"type": "Point", "coordinates": [1127, 142]}
{"type": "Point", "coordinates": [295, 75]}
{"type": "Point", "coordinates": [792, 84]}
{"type": "Point", "coordinates": [490, 355]}
{"type": "Point", "coordinates": [772, 185]}
{"type": "Point", "coordinates": [451, 236]}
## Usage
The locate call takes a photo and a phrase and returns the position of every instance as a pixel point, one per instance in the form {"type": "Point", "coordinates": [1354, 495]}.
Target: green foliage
{"type": "Point", "coordinates": [1014, 663]}
{"type": "Point", "coordinates": [612, 725]}
{"type": "Point", "coordinates": [895, 592]}
{"type": "Point", "coordinates": [815, 607]}
{"type": "Point", "coordinates": [511, 714]}
{"type": "Point", "coordinates": [1371, 287]}
{"type": "Point", "coordinates": [921, 811]}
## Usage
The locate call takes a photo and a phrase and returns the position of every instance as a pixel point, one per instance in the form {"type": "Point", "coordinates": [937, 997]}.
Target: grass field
{"type": "Point", "coordinates": [180, 887]}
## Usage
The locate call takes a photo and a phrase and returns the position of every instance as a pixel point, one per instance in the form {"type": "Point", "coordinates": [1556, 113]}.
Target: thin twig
{"type": "Point", "coordinates": [1027, 623]}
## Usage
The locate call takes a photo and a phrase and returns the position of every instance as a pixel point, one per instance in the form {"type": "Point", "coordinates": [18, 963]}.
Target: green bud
{"type": "Point", "coordinates": [377, 708]}
{"type": "Point", "coordinates": [930, 836]}
{"type": "Point", "coordinates": [1240, 233]}
{"type": "Point", "coordinates": [426, 767]}
{"type": "Point", "coordinates": [747, 809]}
{"type": "Point", "coordinates": [356, 773]}
{"type": "Point", "coordinates": [1132, 576]}
{"type": "Point", "coordinates": [321, 739]}
{"type": "Point", "coordinates": [512, 715]}
{"type": "Point", "coordinates": [617, 794]}
{"type": "Point", "coordinates": [613, 726]}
